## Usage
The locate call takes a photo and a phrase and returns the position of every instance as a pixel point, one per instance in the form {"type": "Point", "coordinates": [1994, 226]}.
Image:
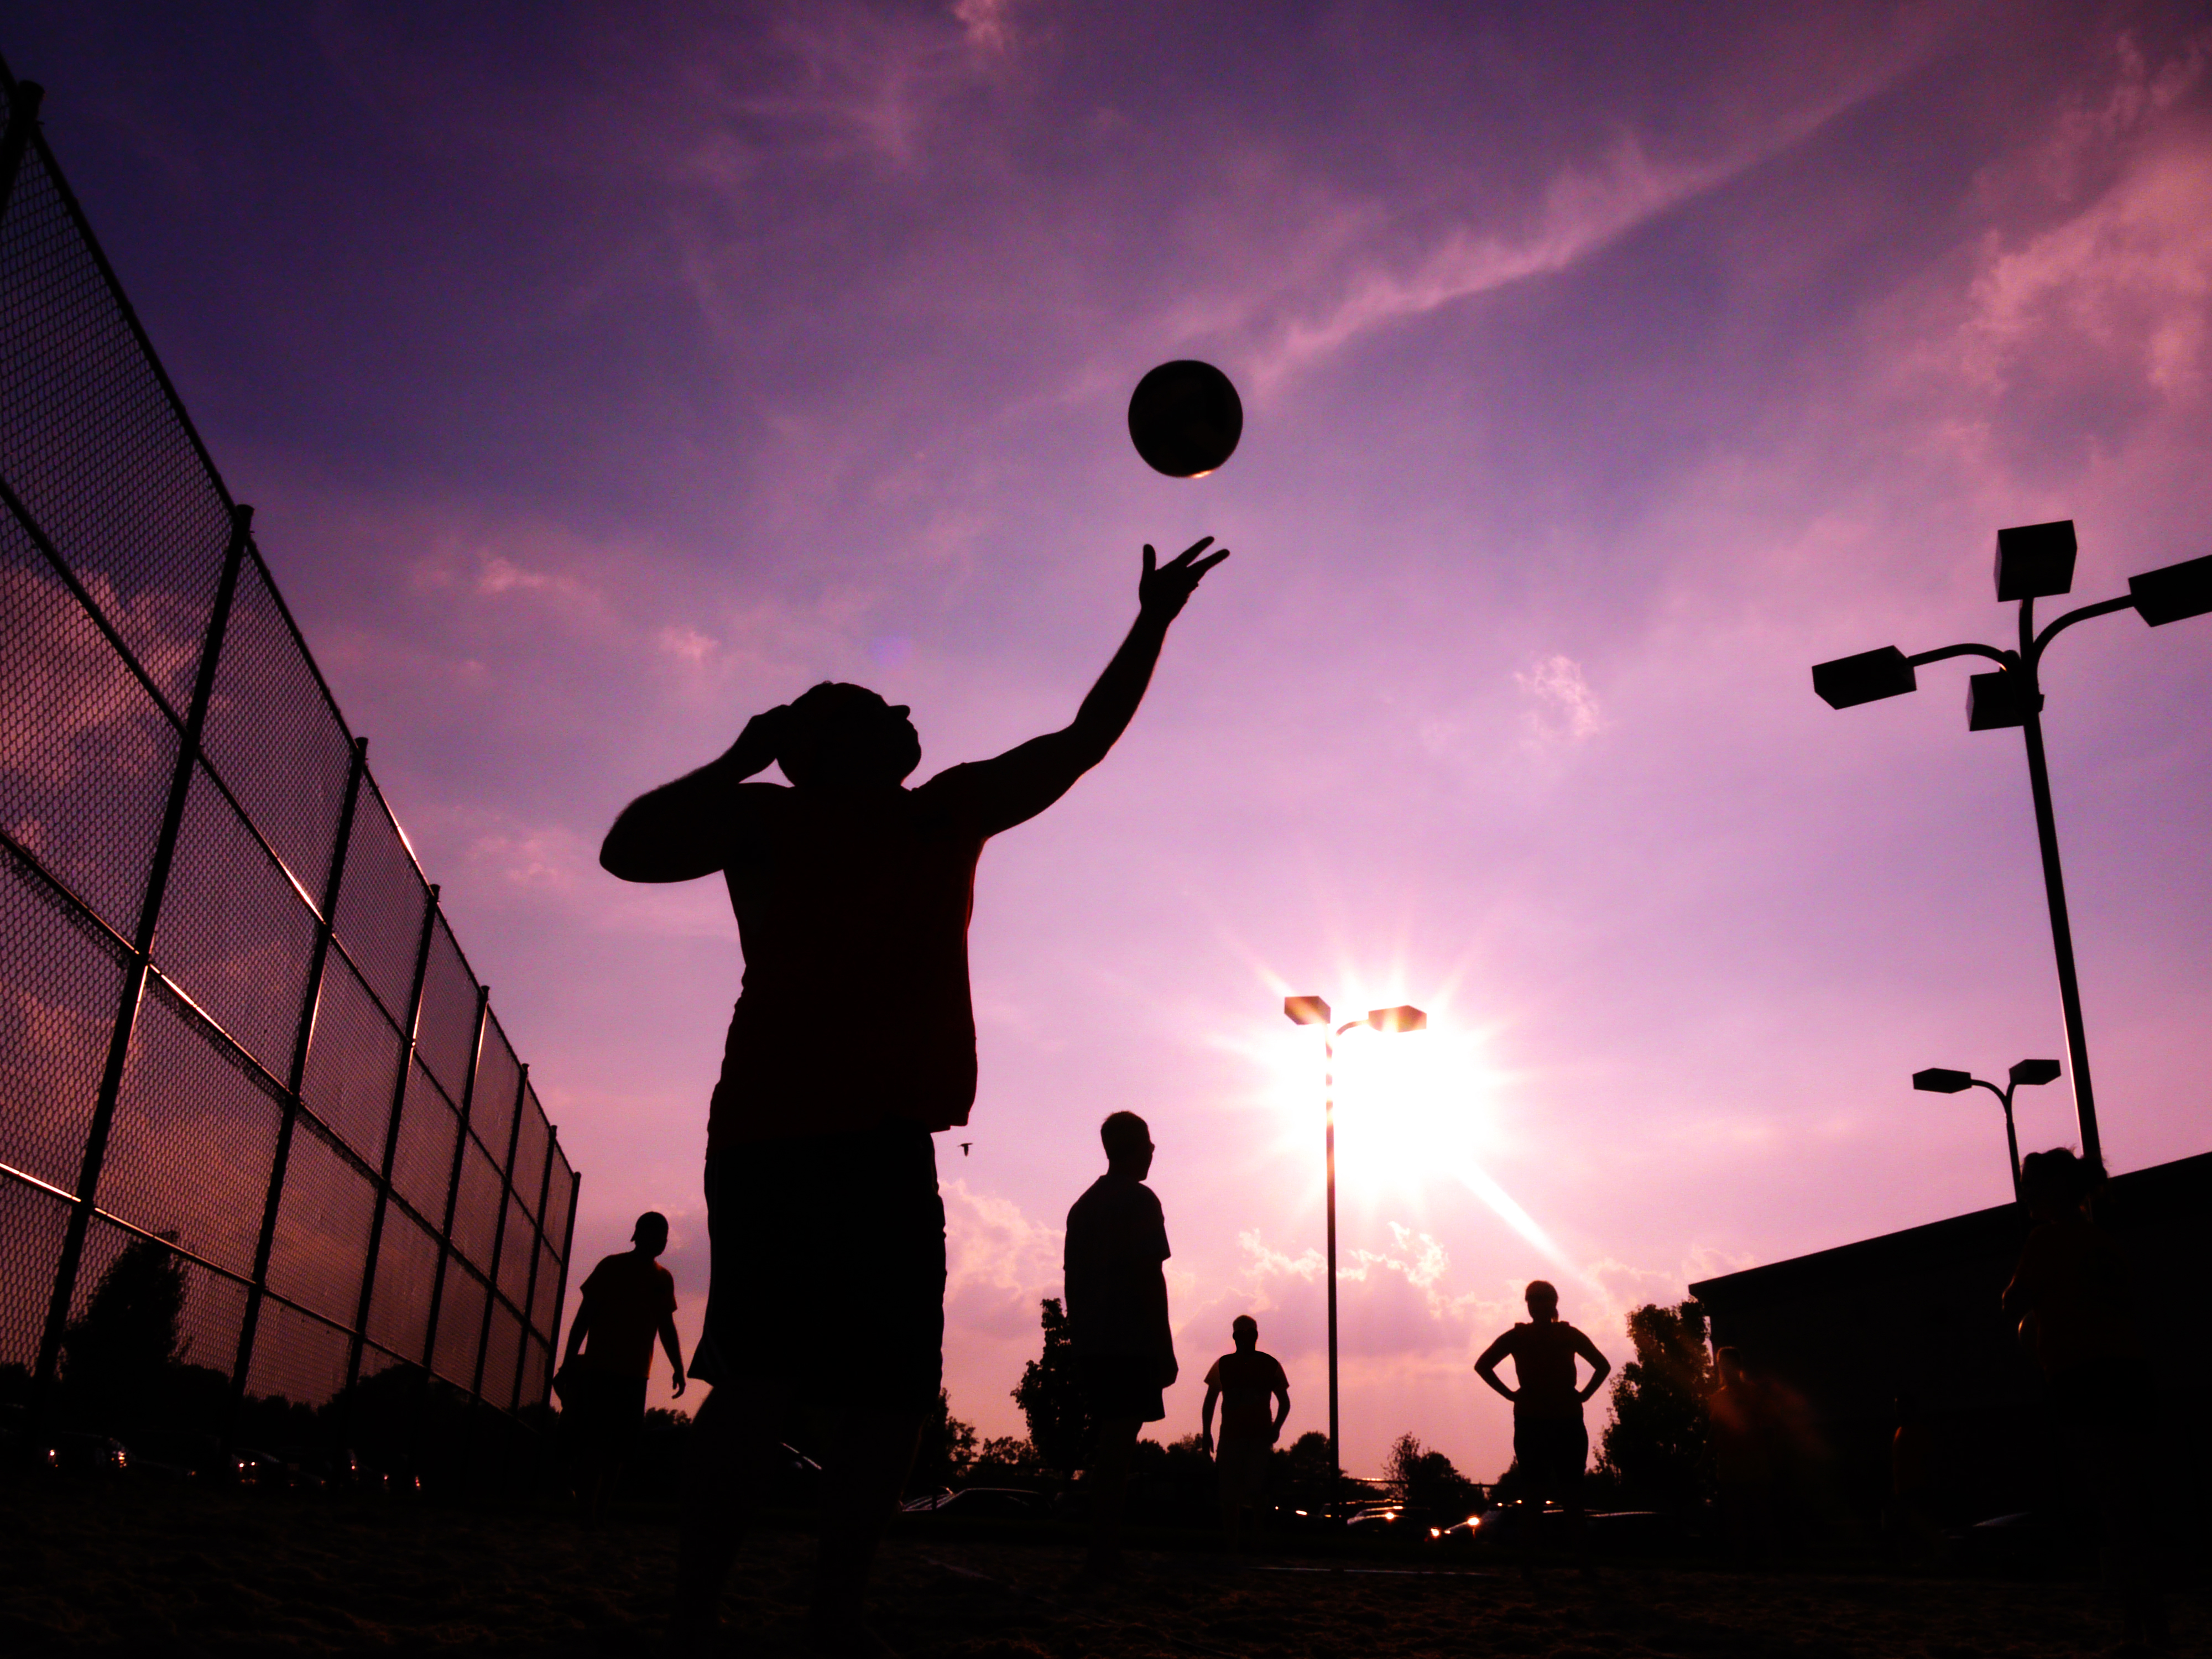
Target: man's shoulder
{"type": "Point", "coordinates": [607, 1267]}
{"type": "Point", "coordinates": [1113, 1192]}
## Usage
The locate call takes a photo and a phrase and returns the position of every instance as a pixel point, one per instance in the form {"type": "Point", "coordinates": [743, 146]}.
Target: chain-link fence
{"type": "Point", "coordinates": [268, 1168]}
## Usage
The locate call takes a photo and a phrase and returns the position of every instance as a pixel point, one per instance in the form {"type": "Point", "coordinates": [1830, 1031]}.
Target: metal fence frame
{"type": "Point", "coordinates": [69, 338]}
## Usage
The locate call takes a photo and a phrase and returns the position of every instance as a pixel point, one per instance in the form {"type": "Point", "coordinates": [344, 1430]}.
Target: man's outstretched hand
{"type": "Point", "coordinates": [1164, 589]}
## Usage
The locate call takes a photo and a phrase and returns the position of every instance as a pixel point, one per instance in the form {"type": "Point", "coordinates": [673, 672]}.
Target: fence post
{"type": "Point", "coordinates": [134, 976]}
{"type": "Point", "coordinates": [567, 1244]}
{"type": "Point", "coordinates": [499, 1238]}
{"type": "Point", "coordinates": [294, 1077]}
{"type": "Point", "coordinates": [23, 121]}
{"type": "Point", "coordinates": [537, 1262]}
{"type": "Point", "coordinates": [413, 1016]}
{"type": "Point", "coordinates": [453, 1182]}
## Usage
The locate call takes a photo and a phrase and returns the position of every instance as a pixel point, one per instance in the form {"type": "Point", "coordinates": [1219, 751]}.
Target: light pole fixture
{"type": "Point", "coordinates": [1938, 1080]}
{"type": "Point", "coordinates": [1312, 1011]}
{"type": "Point", "coordinates": [2035, 562]}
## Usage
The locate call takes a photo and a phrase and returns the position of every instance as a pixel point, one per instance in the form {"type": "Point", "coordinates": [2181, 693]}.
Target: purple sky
{"type": "Point", "coordinates": [604, 374]}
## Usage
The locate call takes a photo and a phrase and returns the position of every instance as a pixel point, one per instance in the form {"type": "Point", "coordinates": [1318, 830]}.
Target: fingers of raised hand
{"type": "Point", "coordinates": [1151, 559]}
{"type": "Point", "coordinates": [1193, 549]}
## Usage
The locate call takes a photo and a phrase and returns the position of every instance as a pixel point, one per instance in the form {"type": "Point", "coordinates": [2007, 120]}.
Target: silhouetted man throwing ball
{"type": "Point", "coordinates": [853, 1042]}
{"type": "Point", "coordinates": [1550, 1444]}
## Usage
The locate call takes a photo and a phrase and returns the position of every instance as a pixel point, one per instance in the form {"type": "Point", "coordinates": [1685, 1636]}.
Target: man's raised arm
{"type": "Point", "coordinates": [1024, 780]}
{"type": "Point", "coordinates": [680, 831]}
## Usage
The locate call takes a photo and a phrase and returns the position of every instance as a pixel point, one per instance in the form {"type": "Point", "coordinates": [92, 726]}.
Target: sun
{"type": "Point", "coordinates": [1421, 1116]}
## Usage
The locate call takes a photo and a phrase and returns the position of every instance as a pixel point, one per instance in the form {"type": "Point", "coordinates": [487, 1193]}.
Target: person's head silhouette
{"type": "Point", "coordinates": [2057, 1184]}
{"type": "Point", "coordinates": [1244, 1331]}
{"type": "Point", "coordinates": [1543, 1299]}
{"type": "Point", "coordinates": [846, 737]}
{"type": "Point", "coordinates": [1129, 1144]}
{"type": "Point", "coordinates": [650, 1233]}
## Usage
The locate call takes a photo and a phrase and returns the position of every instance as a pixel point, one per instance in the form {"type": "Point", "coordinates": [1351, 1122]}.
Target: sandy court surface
{"type": "Point", "coordinates": [171, 1571]}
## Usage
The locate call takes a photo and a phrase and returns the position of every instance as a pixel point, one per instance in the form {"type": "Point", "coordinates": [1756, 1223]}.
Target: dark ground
{"type": "Point", "coordinates": [124, 1566]}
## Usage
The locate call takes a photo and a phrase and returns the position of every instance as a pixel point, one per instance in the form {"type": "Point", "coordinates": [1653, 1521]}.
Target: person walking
{"type": "Point", "coordinates": [852, 1043]}
{"type": "Point", "coordinates": [629, 1300]}
{"type": "Point", "coordinates": [1117, 1319]}
{"type": "Point", "coordinates": [1551, 1446]}
{"type": "Point", "coordinates": [1255, 1401]}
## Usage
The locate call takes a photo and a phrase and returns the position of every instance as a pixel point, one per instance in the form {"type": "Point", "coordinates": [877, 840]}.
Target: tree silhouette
{"type": "Point", "coordinates": [131, 1325]}
{"type": "Point", "coordinates": [1305, 1477]}
{"type": "Point", "coordinates": [1655, 1445]}
{"type": "Point", "coordinates": [1050, 1396]}
{"type": "Point", "coordinates": [1427, 1481]}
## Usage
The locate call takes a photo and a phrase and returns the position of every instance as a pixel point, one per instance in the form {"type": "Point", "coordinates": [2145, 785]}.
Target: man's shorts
{"type": "Point", "coordinates": [1551, 1452]}
{"type": "Point", "coordinates": [1241, 1467]}
{"type": "Point", "coordinates": [828, 1257]}
{"type": "Point", "coordinates": [603, 1413]}
{"type": "Point", "coordinates": [1121, 1386]}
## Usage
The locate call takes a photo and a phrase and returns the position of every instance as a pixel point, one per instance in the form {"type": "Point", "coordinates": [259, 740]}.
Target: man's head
{"type": "Point", "coordinates": [846, 737]}
{"type": "Point", "coordinates": [2056, 1182]}
{"type": "Point", "coordinates": [650, 1233]}
{"type": "Point", "coordinates": [1244, 1331]}
{"type": "Point", "coordinates": [1543, 1299]}
{"type": "Point", "coordinates": [1128, 1145]}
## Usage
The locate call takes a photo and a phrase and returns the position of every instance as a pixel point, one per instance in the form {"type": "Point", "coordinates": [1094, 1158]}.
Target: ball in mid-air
{"type": "Point", "coordinates": [1185, 418]}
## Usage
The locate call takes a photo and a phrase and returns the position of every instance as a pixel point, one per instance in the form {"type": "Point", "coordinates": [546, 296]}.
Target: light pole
{"type": "Point", "coordinates": [1935, 1080]}
{"type": "Point", "coordinates": [1312, 1011]}
{"type": "Point", "coordinates": [2034, 560]}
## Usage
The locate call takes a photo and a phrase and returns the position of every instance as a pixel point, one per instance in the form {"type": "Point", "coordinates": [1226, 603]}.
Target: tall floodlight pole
{"type": "Point", "coordinates": [2034, 560]}
{"type": "Point", "coordinates": [1312, 1011]}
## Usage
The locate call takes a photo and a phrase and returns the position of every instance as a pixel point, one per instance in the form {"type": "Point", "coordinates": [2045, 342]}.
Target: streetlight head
{"type": "Point", "coordinates": [1306, 1011]}
{"type": "Point", "coordinates": [1935, 1080]}
{"type": "Point", "coordinates": [1868, 677]}
{"type": "Point", "coordinates": [2179, 591]}
{"type": "Point", "coordinates": [2030, 1073]}
{"type": "Point", "coordinates": [1994, 699]}
{"type": "Point", "coordinates": [2035, 560]}
{"type": "Point", "coordinates": [1404, 1018]}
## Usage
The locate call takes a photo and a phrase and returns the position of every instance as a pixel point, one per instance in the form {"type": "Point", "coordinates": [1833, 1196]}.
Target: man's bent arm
{"type": "Point", "coordinates": [1601, 1367]}
{"type": "Point", "coordinates": [680, 831]}
{"type": "Point", "coordinates": [1205, 1417]}
{"type": "Point", "coordinates": [1282, 1408]}
{"type": "Point", "coordinates": [1487, 1367]}
{"type": "Point", "coordinates": [577, 1326]}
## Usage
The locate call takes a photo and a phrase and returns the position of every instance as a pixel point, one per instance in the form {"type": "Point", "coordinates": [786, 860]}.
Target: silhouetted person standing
{"type": "Point", "coordinates": [1550, 1443]}
{"type": "Point", "coordinates": [1255, 1401]}
{"type": "Point", "coordinates": [2071, 1296]}
{"type": "Point", "coordinates": [854, 1041]}
{"type": "Point", "coordinates": [628, 1300]}
{"type": "Point", "coordinates": [1117, 1318]}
